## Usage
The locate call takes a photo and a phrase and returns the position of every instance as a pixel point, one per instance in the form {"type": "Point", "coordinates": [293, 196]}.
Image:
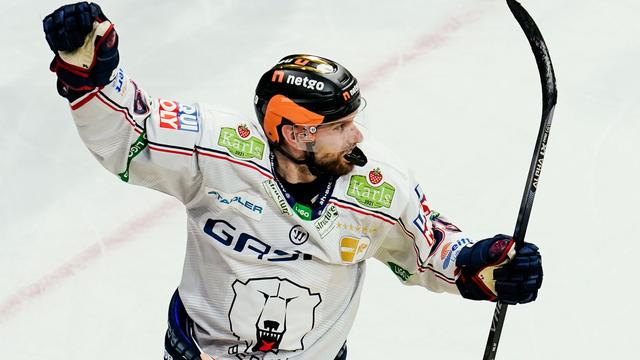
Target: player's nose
{"type": "Point", "coordinates": [355, 135]}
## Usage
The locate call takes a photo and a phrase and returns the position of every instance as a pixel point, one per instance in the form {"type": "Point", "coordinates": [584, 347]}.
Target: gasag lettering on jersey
{"type": "Point", "coordinates": [242, 202]}
{"type": "Point", "coordinates": [228, 235]}
{"type": "Point", "coordinates": [177, 116]}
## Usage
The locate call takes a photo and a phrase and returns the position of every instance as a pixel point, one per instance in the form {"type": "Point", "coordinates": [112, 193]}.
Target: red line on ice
{"type": "Point", "coordinates": [424, 45]}
{"type": "Point", "coordinates": [126, 233]}
{"type": "Point", "coordinates": [80, 261]}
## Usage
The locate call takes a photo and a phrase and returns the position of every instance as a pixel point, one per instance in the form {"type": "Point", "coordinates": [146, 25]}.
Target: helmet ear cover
{"type": "Point", "coordinates": [280, 108]}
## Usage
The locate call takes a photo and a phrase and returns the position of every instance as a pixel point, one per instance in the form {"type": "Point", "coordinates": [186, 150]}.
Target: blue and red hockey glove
{"type": "Point", "coordinates": [493, 269]}
{"type": "Point", "coordinates": [85, 46]}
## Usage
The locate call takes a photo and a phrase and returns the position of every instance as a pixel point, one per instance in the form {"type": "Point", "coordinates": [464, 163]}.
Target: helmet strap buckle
{"type": "Point", "coordinates": [304, 133]}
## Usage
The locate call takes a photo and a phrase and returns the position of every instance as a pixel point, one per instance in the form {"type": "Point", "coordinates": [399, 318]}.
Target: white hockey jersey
{"type": "Point", "coordinates": [264, 278]}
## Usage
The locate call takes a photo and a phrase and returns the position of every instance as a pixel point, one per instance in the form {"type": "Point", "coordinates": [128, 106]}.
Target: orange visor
{"type": "Point", "coordinates": [335, 136]}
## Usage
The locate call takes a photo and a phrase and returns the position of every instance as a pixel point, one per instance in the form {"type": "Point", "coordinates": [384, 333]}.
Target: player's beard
{"type": "Point", "coordinates": [333, 163]}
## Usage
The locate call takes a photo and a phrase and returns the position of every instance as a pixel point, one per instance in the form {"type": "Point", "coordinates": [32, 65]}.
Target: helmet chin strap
{"type": "Point", "coordinates": [309, 160]}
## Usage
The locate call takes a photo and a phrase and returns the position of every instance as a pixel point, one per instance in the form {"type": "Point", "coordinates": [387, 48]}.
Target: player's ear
{"type": "Point", "coordinates": [288, 136]}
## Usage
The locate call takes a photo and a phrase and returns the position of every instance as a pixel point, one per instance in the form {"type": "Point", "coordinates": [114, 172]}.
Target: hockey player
{"type": "Point", "coordinates": [283, 210]}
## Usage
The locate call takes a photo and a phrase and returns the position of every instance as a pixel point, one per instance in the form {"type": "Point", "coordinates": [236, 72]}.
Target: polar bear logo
{"type": "Point", "coordinates": [269, 314]}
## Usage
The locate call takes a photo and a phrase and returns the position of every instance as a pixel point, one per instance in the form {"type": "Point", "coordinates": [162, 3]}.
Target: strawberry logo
{"type": "Point", "coordinates": [375, 176]}
{"type": "Point", "coordinates": [243, 131]}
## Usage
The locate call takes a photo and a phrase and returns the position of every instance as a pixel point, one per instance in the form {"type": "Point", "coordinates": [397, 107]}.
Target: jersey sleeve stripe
{"type": "Point", "coordinates": [172, 147]}
{"type": "Point", "coordinates": [126, 115]}
{"type": "Point", "coordinates": [102, 95]}
{"type": "Point", "coordinates": [355, 207]}
{"type": "Point", "coordinates": [84, 99]}
{"type": "Point", "coordinates": [234, 161]}
{"type": "Point", "coordinates": [170, 151]}
{"type": "Point", "coordinates": [359, 211]}
{"type": "Point", "coordinates": [405, 230]}
{"type": "Point", "coordinates": [226, 154]}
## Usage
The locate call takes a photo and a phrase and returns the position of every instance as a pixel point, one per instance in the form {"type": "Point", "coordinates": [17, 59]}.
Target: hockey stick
{"type": "Point", "coordinates": [549, 97]}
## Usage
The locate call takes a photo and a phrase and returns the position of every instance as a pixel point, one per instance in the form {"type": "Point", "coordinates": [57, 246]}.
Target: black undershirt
{"type": "Point", "coordinates": [304, 193]}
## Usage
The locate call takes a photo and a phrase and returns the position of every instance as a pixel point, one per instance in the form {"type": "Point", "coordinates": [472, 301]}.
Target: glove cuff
{"type": "Point", "coordinates": [477, 263]}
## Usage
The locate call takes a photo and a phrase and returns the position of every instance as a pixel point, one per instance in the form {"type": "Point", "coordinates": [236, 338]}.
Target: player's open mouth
{"type": "Point", "coordinates": [350, 149]}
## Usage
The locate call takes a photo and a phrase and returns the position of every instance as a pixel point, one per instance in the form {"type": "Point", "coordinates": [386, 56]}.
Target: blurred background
{"type": "Point", "coordinates": [88, 263]}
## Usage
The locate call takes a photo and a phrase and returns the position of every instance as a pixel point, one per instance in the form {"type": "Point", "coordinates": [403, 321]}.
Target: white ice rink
{"type": "Point", "coordinates": [88, 263]}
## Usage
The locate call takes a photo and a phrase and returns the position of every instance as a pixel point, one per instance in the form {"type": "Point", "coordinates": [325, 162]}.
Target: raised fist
{"type": "Point", "coordinates": [67, 27]}
{"type": "Point", "coordinates": [86, 48]}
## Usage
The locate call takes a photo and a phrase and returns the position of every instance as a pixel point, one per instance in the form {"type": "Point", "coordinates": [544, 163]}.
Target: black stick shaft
{"type": "Point", "coordinates": [549, 97]}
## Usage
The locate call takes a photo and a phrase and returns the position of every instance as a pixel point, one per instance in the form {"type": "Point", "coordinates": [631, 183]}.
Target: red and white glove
{"type": "Point", "coordinates": [85, 45]}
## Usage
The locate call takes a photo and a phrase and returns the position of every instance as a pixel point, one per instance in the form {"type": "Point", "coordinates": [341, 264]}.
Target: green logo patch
{"type": "Point", "coordinates": [400, 272]}
{"type": "Point", "coordinates": [239, 147]}
{"type": "Point", "coordinates": [135, 149]}
{"type": "Point", "coordinates": [368, 195]}
{"type": "Point", "coordinates": [303, 211]}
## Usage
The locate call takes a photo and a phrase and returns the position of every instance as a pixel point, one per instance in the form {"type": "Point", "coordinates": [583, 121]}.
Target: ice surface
{"type": "Point", "coordinates": [88, 263]}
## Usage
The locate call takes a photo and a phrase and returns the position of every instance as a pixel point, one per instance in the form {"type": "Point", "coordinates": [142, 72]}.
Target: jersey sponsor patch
{"type": "Point", "coordinates": [327, 221]}
{"type": "Point", "coordinates": [177, 116]}
{"type": "Point", "coordinates": [423, 221]}
{"type": "Point", "coordinates": [270, 314]}
{"type": "Point", "coordinates": [449, 252]}
{"type": "Point", "coordinates": [303, 211]}
{"type": "Point", "coordinates": [298, 235]}
{"type": "Point", "coordinates": [271, 188]}
{"type": "Point", "coordinates": [140, 105]}
{"type": "Point", "coordinates": [371, 191]}
{"type": "Point", "coordinates": [224, 233]}
{"type": "Point", "coordinates": [118, 83]}
{"type": "Point", "coordinates": [248, 205]}
{"type": "Point", "coordinates": [136, 148]}
{"type": "Point", "coordinates": [400, 272]}
{"type": "Point", "coordinates": [353, 249]}
{"type": "Point", "coordinates": [239, 142]}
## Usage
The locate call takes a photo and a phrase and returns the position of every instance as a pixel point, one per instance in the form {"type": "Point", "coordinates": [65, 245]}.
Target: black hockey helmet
{"type": "Point", "coordinates": [305, 90]}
